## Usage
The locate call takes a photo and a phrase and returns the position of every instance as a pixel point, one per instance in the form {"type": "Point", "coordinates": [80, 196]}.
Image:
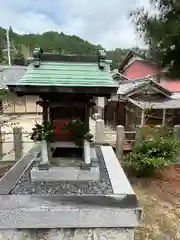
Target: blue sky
{"type": "Point", "coordinates": [102, 22]}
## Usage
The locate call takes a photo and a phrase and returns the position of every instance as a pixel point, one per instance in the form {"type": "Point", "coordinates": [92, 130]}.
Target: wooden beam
{"type": "Point", "coordinates": [164, 117]}
{"type": "Point", "coordinates": [142, 117]}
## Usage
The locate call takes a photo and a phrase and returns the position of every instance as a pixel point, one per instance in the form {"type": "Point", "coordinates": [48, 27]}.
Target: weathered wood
{"type": "Point", "coordinates": [1, 143]}
{"type": "Point", "coordinates": [18, 142]}
{"type": "Point", "coordinates": [139, 135]}
{"type": "Point", "coordinates": [142, 117]}
{"type": "Point", "coordinates": [177, 132]}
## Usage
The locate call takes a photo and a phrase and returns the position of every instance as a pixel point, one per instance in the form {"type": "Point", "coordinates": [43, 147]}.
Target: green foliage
{"type": "Point", "coordinates": [42, 132]}
{"type": "Point", "coordinates": [79, 130]}
{"type": "Point", "coordinates": [157, 148]}
{"type": "Point", "coordinates": [161, 31]}
{"type": "Point", "coordinates": [117, 56]}
{"type": "Point", "coordinates": [53, 42]}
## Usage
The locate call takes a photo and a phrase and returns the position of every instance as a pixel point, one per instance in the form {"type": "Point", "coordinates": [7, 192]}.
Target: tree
{"type": "Point", "coordinates": [161, 31]}
{"type": "Point", "coordinates": [53, 42]}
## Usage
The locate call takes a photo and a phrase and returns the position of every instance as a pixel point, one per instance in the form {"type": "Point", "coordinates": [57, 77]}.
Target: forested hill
{"type": "Point", "coordinates": [22, 45]}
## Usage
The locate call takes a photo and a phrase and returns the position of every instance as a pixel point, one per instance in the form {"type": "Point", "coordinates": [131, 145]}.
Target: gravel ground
{"type": "Point", "coordinates": [71, 188]}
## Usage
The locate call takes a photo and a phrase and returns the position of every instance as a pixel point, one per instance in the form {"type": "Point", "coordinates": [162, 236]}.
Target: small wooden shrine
{"type": "Point", "coordinates": [66, 85]}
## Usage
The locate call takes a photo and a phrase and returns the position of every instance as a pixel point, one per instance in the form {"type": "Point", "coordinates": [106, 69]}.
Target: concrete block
{"type": "Point", "coordinates": [65, 174]}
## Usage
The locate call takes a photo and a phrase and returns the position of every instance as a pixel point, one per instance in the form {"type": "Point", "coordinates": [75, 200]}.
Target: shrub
{"type": "Point", "coordinates": [79, 130]}
{"type": "Point", "coordinates": [42, 132]}
{"type": "Point", "coordinates": [152, 153]}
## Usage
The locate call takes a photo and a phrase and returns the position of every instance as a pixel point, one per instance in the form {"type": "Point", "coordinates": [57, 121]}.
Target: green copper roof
{"type": "Point", "coordinates": [67, 74]}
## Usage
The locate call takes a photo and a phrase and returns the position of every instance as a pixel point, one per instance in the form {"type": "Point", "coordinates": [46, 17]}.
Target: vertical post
{"type": "Point", "coordinates": [120, 137]}
{"type": "Point", "coordinates": [86, 108]}
{"type": "Point", "coordinates": [177, 132]}
{"type": "Point", "coordinates": [1, 143]}
{"type": "Point", "coordinates": [142, 117]}
{"type": "Point", "coordinates": [139, 135]}
{"type": "Point", "coordinates": [126, 116]}
{"type": "Point", "coordinates": [14, 107]}
{"type": "Point", "coordinates": [18, 146]}
{"type": "Point", "coordinates": [105, 110]}
{"type": "Point", "coordinates": [99, 131]}
{"type": "Point", "coordinates": [164, 117]}
{"type": "Point", "coordinates": [117, 113]}
{"type": "Point", "coordinates": [45, 111]}
{"type": "Point", "coordinates": [1, 107]}
{"type": "Point", "coordinates": [25, 104]}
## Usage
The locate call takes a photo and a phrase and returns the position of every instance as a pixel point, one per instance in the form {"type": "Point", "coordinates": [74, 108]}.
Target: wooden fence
{"type": "Point", "coordinates": [13, 145]}
{"type": "Point", "coordinates": [120, 139]}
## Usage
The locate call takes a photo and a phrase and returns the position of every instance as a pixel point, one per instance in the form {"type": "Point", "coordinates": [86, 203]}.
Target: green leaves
{"type": "Point", "coordinates": [161, 30]}
{"type": "Point", "coordinates": [80, 131]}
{"type": "Point", "coordinates": [149, 155]}
{"type": "Point", "coordinates": [42, 132]}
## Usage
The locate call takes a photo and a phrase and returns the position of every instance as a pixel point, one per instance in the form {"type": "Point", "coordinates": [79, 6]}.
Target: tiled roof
{"type": "Point", "coordinates": [129, 85]}
{"type": "Point", "coordinates": [67, 74]}
{"type": "Point", "coordinates": [173, 86]}
{"type": "Point", "coordinates": [10, 74]}
{"type": "Point", "coordinates": [156, 104]}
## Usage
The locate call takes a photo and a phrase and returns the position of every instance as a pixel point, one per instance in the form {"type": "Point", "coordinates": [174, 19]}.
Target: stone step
{"type": "Point", "coordinates": [27, 212]}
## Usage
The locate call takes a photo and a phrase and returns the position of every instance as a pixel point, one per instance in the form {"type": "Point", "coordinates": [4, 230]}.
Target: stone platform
{"type": "Point", "coordinates": [65, 174]}
{"type": "Point", "coordinates": [57, 167]}
{"type": "Point", "coordinates": [106, 209]}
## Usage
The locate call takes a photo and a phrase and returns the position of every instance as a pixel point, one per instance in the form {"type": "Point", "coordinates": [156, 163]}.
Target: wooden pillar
{"type": "Point", "coordinates": [117, 113]}
{"type": "Point", "coordinates": [25, 104]}
{"type": "Point", "coordinates": [1, 143]}
{"type": "Point", "coordinates": [1, 107]}
{"type": "Point", "coordinates": [177, 132]}
{"type": "Point", "coordinates": [86, 109]}
{"type": "Point", "coordinates": [18, 142]}
{"type": "Point", "coordinates": [164, 117]}
{"type": "Point", "coordinates": [45, 111]}
{"type": "Point", "coordinates": [105, 110]}
{"type": "Point", "coordinates": [142, 117]}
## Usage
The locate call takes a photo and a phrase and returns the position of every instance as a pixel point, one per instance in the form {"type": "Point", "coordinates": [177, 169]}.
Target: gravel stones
{"type": "Point", "coordinates": [101, 187]}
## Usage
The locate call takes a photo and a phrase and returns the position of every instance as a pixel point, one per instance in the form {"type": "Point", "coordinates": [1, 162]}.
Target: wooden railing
{"type": "Point", "coordinates": [120, 139]}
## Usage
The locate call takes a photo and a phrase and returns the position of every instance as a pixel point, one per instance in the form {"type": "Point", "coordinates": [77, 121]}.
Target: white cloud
{"type": "Point", "coordinates": [98, 21]}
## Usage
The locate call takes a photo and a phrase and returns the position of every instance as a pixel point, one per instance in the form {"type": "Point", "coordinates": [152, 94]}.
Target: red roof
{"type": "Point", "coordinates": [139, 69]}
{"type": "Point", "coordinates": [142, 68]}
{"type": "Point", "coordinates": [173, 86]}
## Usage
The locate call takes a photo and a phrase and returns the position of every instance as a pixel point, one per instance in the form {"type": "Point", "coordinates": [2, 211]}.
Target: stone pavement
{"type": "Point", "coordinates": [22, 212]}
{"type": "Point", "coordinates": [66, 234]}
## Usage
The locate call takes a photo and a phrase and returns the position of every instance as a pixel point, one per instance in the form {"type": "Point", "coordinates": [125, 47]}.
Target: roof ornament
{"type": "Point", "coordinates": [101, 58]}
{"type": "Point", "coordinates": [37, 53]}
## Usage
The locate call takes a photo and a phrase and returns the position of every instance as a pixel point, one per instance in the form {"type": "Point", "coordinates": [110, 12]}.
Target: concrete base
{"type": "Point", "coordinates": [65, 174]}
{"type": "Point", "coordinates": [65, 233]}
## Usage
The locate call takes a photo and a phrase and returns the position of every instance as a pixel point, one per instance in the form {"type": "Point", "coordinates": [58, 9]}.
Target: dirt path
{"type": "Point", "coordinates": [160, 199]}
